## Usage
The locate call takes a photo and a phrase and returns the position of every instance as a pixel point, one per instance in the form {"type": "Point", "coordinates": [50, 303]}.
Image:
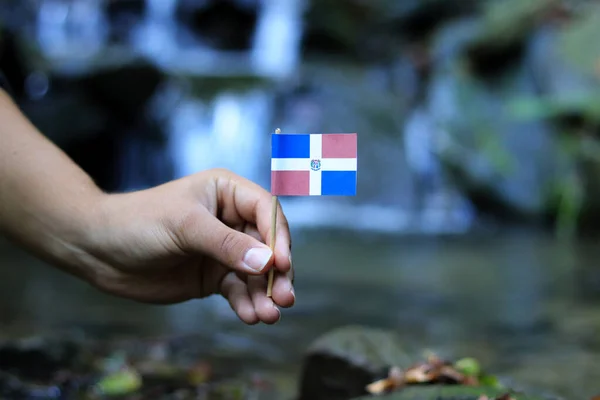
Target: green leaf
{"type": "Point", "coordinates": [490, 380]}
{"type": "Point", "coordinates": [119, 383]}
{"type": "Point", "coordinates": [533, 108]}
{"type": "Point", "coordinates": [468, 366]}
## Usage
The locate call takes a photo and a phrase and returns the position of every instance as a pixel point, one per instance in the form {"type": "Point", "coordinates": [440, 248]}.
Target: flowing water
{"type": "Point", "coordinates": [526, 306]}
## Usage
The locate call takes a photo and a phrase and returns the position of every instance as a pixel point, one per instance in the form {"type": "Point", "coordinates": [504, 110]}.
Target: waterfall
{"type": "Point", "coordinates": [276, 50]}
{"type": "Point", "coordinates": [71, 29]}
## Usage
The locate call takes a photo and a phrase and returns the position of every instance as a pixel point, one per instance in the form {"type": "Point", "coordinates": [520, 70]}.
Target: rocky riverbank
{"type": "Point", "coordinates": [348, 363]}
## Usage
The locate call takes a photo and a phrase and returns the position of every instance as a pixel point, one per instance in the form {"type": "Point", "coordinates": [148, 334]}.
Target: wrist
{"type": "Point", "coordinates": [104, 237]}
{"type": "Point", "coordinates": [66, 236]}
{"type": "Point", "coordinates": [87, 238]}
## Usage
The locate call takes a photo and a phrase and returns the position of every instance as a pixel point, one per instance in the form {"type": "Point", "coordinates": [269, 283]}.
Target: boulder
{"type": "Point", "coordinates": [375, 30]}
{"type": "Point", "coordinates": [340, 364]}
{"type": "Point", "coordinates": [517, 111]}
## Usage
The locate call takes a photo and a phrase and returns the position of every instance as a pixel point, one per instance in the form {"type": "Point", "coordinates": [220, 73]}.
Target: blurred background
{"type": "Point", "coordinates": [473, 231]}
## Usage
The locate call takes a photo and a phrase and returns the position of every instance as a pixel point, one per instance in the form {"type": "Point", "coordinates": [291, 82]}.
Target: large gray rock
{"type": "Point", "coordinates": [509, 119]}
{"type": "Point", "coordinates": [375, 30]}
{"type": "Point", "coordinates": [514, 161]}
{"type": "Point", "coordinates": [340, 364]}
{"type": "Point", "coordinates": [487, 151]}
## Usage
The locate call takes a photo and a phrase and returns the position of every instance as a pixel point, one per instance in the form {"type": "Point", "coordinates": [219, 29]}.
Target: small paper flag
{"type": "Point", "coordinates": [314, 164]}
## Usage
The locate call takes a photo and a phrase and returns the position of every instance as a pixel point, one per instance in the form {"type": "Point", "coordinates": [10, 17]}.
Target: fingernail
{"type": "Point", "coordinates": [278, 312]}
{"type": "Point", "coordinates": [257, 258]}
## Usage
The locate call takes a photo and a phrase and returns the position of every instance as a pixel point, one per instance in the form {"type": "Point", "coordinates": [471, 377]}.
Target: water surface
{"type": "Point", "coordinates": [525, 305]}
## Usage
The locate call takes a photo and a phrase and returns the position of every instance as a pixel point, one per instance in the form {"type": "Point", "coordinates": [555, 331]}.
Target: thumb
{"type": "Point", "coordinates": [234, 249]}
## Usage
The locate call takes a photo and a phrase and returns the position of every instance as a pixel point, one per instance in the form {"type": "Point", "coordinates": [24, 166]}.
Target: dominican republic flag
{"type": "Point", "coordinates": [314, 165]}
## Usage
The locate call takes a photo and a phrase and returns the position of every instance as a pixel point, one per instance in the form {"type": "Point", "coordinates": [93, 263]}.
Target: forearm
{"type": "Point", "coordinates": [47, 203]}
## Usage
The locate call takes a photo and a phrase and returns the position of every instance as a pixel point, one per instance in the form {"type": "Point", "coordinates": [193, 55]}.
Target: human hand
{"type": "Point", "coordinates": [190, 238]}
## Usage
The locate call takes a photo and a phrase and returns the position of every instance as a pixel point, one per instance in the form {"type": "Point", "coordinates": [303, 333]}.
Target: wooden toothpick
{"type": "Point", "coordinates": [272, 241]}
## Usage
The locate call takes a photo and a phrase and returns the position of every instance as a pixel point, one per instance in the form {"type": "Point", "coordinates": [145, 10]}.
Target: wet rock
{"type": "Point", "coordinates": [338, 39]}
{"type": "Point", "coordinates": [418, 21]}
{"type": "Point", "coordinates": [340, 364]}
{"type": "Point", "coordinates": [503, 164]}
{"type": "Point", "coordinates": [549, 90]}
{"type": "Point", "coordinates": [509, 155]}
{"type": "Point", "coordinates": [448, 393]}
{"type": "Point", "coordinates": [505, 29]}
{"type": "Point", "coordinates": [566, 80]}
{"type": "Point", "coordinates": [554, 74]}
{"type": "Point", "coordinates": [367, 31]}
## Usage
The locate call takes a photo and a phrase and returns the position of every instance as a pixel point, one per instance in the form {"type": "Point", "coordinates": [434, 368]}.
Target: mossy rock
{"type": "Point", "coordinates": [439, 392]}
{"type": "Point", "coordinates": [365, 346]}
{"type": "Point", "coordinates": [340, 364]}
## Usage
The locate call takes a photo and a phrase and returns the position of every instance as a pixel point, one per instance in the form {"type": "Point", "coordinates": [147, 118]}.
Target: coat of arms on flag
{"type": "Point", "coordinates": [314, 164]}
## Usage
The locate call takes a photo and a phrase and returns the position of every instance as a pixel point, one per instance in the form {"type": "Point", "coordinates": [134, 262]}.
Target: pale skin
{"type": "Point", "coordinates": [189, 238]}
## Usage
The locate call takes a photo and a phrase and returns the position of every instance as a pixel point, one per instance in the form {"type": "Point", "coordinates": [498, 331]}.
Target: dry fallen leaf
{"type": "Point", "coordinates": [380, 387]}
{"type": "Point", "coordinates": [394, 380]}
{"type": "Point", "coordinates": [435, 370]}
{"type": "Point", "coordinates": [506, 396]}
{"type": "Point", "coordinates": [418, 374]}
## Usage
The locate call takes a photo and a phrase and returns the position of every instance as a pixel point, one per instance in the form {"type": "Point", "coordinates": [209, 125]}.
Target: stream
{"type": "Point", "coordinates": [407, 253]}
{"type": "Point", "coordinates": [526, 306]}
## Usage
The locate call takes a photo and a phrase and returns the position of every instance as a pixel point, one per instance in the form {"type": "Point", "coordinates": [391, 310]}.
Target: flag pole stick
{"type": "Point", "coordinates": [272, 241]}
{"type": "Point", "coordinates": [273, 234]}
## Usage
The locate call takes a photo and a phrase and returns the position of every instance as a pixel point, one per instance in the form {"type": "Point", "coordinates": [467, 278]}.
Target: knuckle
{"type": "Point", "coordinates": [229, 243]}
{"type": "Point", "coordinates": [184, 229]}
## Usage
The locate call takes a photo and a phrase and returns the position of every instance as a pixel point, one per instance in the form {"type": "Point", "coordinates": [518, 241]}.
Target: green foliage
{"type": "Point", "coordinates": [119, 383]}
{"type": "Point", "coordinates": [546, 107]}
{"type": "Point", "coordinates": [579, 41]}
